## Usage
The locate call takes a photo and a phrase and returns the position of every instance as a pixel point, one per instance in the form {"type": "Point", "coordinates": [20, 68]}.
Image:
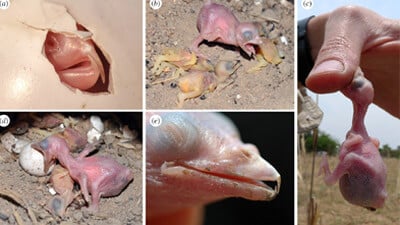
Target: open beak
{"type": "Point", "coordinates": [236, 172]}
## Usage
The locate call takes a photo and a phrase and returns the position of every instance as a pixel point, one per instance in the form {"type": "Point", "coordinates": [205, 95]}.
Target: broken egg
{"type": "Point", "coordinates": [30, 80]}
{"type": "Point", "coordinates": [96, 123]}
{"type": "Point", "coordinates": [32, 161]}
{"type": "Point", "coordinates": [94, 134]}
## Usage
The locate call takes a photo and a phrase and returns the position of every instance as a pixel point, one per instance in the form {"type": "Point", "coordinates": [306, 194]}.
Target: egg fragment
{"type": "Point", "coordinates": [32, 161]}
{"type": "Point", "coordinates": [97, 123]}
{"type": "Point", "coordinates": [94, 134]}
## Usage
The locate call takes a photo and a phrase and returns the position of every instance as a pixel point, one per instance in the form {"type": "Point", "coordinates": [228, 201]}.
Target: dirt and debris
{"type": "Point", "coordinates": [24, 197]}
{"type": "Point", "coordinates": [174, 26]}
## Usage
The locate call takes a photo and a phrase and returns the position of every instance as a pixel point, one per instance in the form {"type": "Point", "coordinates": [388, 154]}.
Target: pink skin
{"type": "Point", "coordinates": [196, 158]}
{"type": "Point", "coordinates": [98, 176]}
{"type": "Point", "coordinates": [361, 171]}
{"type": "Point", "coordinates": [356, 36]}
{"type": "Point", "coordinates": [74, 59]}
{"type": "Point", "coordinates": [216, 23]}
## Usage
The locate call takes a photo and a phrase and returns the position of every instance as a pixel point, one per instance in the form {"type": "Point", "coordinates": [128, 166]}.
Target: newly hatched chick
{"type": "Point", "coordinates": [196, 158]}
{"type": "Point", "coordinates": [216, 23]}
{"type": "Point", "coordinates": [98, 176]}
{"type": "Point", "coordinates": [361, 171]}
{"type": "Point", "coordinates": [197, 83]}
{"type": "Point", "coordinates": [75, 60]}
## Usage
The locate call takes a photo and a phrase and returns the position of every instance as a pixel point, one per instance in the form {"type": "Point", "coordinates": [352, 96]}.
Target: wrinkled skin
{"type": "Point", "coordinates": [196, 158]}
{"type": "Point", "coordinates": [361, 171]}
{"type": "Point", "coordinates": [356, 36]}
{"type": "Point", "coordinates": [216, 23]}
{"type": "Point", "coordinates": [98, 176]}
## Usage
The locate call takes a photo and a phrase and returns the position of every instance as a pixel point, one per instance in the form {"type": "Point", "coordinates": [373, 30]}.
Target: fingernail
{"type": "Point", "coordinates": [329, 66]}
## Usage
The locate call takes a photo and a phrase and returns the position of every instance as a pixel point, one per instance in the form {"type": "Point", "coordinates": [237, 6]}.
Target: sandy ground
{"type": "Point", "coordinates": [125, 208]}
{"type": "Point", "coordinates": [174, 25]}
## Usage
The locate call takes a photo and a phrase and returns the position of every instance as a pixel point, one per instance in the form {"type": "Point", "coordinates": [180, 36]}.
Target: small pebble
{"type": "Point", "coordinates": [284, 40]}
{"type": "Point", "coordinates": [8, 141]}
{"type": "Point", "coordinates": [78, 216]}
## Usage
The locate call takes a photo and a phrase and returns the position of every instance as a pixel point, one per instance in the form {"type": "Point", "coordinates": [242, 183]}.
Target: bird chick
{"type": "Point", "coordinates": [196, 83]}
{"type": "Point", "coordinates": [361, 171]}
{"type": "Point", "coordinates": [99, 176]}
{"type": "Point", "coordinates": [216, 23]}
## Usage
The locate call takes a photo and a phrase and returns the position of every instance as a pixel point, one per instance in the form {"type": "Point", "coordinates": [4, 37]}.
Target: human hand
{"type": "Point", "coordinates": [353, 36]}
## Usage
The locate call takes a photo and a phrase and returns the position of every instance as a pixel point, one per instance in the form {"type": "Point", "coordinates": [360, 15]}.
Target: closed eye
{"type": "Point", "coordinates": [248, 35]}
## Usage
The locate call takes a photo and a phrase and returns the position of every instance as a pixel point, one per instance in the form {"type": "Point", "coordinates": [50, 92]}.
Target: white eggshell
{"type": "Point", "coordinates": [19, 145]}
{"type": "Point", "coordinates": [28, 80]}
{"type": "Point", "coordinates": [93, 135]}
{"type": "Point", "coordinates": [32, 161]}
{"type": "Point", "coordinates": [97, 123]}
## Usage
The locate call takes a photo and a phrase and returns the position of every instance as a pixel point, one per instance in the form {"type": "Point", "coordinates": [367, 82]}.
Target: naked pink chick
{"type": "Point", "coordinates": [74, 59]}
{"type": "Point", "coordinates": [216, 23]}
{"type": "Point", "coordinates": [361, 171]}
{"type": "Point", "coordinates": [98, 176]}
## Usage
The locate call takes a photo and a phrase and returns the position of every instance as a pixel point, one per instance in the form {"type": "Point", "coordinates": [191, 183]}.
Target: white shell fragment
{"type": "Point", "coordinates": [32, 161]}
{"type": "Point", "coordinates": [97, 123]}
{"type": "Point", "coordinates": [52, 191]}
{"type": "Point", "coordinates": [93, 135]}
{"type": "Point", "coordinates": [284, 40]}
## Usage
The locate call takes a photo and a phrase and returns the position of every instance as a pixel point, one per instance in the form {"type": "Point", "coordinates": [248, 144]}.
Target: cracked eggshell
{"type": "Point", "coordinates": [29, 80]}
{"type": "Point", "coordinates": [93, 135]}
{"type": "Point", "coordinates": [97, 123]}
{"type": "Point", "coordinates": [20, 145]}
{"type": "Point", "coordinates": [32, 161]}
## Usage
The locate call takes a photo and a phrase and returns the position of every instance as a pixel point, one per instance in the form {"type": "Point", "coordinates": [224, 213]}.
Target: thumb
{"type": "Point", "coordinates": [339, 56]}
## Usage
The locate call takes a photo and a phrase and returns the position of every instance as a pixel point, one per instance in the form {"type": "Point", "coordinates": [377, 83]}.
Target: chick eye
{"type": "Point", "coordinates": [44, 144]}
{"type": "Point", "coordinates": [357, 83]}
{"type": "Point", "coordinates": [176, 138]}
{"type": "Point", "coordinates": [248, 35]}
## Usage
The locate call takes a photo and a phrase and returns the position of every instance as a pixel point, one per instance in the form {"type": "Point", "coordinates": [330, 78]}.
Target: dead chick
{"type": "Point", "coordinates": [266, 52]}
{"type": "Point", "coordinates": [182, 59]}
{"type": "Point", "coordinates": [216, 23]}
{"type": "Point", "coordinates": [197, 83]}
{"type": "Point", "coordinates": [63, 185]}
{"type": "Point", "coordinates": [99, 176]}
